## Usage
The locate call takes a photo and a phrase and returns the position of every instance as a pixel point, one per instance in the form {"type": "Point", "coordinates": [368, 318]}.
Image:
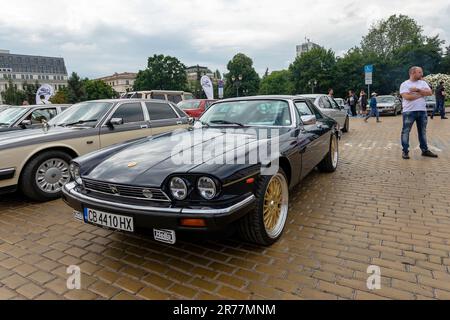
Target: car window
{"type": "Point", "coordinates": [315, 110]}
{"type": "Point", "coordinates": [186, 105]}
{"type": "Point", "coordinates": [174, 98]}
{"type": "Point", "coordinates": [334, 104]}
{"type": "Point", "coordinates": [158, 96]}
{"type": "Point", "coordinates": [250, 113]}
{"type": "Point", "coordinates": [326, 104]}
{"type": "Point", "coordinates": [160, 111]}
{"type": "Point", "coordinates": [37, 116]}
{"type": "Point", "coordinates": [303, 108]}
{"type": "Point", "coordinates": [129, 112]}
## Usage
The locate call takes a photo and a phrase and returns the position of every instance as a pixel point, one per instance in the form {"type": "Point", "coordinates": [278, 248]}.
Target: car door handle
{"type": "Point", "coordinates": [144, 126]}
{"type": "Point", "coordinates": [179, 122]}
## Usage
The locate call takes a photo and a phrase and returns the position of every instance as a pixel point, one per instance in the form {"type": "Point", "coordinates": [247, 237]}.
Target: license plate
{"type": "Point", "coordinates": [109, 220]}
{"type": "Point", "coordinates": [166, 236]}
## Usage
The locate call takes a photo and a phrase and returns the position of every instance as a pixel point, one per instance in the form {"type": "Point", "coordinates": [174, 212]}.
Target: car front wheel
{"type": "Point", "coordinates": [44, 176]}
{"type": "Point", "coordinates": [265, 224]}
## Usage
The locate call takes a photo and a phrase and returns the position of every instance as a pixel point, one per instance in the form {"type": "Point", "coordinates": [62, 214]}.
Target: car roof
{"type": "Point", "coordinates": [386, 95]}
{"type": "Point", "coordinates": [310, 95]}
{"type": "Point", "coordinates": [127, 100]}
{"type": "Point", "coordinates": [41, 106]}
{"type": "Point", "coordinates": [262, 97]}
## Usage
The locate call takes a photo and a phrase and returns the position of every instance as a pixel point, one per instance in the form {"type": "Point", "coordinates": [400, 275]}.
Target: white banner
{"type": "Point", "coordinates": [207, 86]}
{"type": "Point", "coordinates": [46, 91]}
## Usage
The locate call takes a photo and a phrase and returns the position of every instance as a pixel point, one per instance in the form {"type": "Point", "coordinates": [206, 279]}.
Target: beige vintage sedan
{"type": "Point", "coordinates": [37, 161]}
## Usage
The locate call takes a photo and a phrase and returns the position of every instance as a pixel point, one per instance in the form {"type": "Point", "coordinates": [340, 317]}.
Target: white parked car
{"type": "Point", "coordinates": [330, 108]}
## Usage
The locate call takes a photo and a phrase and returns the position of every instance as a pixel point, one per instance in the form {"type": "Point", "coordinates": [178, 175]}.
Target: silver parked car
{"type": "Point", "coordinates": [330, 108]}
{"type": "Point", "coordinates": [28, 117]}
{"type": "Point", "coordinates": [3, 107]}
{"type": "Point", "coordinates": [389, 105]}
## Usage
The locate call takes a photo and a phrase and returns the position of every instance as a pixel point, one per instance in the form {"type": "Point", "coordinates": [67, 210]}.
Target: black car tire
{"type": "Point", "coordinates": [28, 183]}
{"type": "Point", "coordinates": [251, 227]}
{"type": "Point", "coordinates": [329, 163]}
{"type": "Point", "coordinates": [346, 127]}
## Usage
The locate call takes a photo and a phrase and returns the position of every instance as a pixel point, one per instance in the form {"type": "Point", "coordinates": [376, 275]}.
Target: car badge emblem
{"type": "Point", "coordinates": [147, 193]}
{"type": "Point", "coordinates": [132, 164]}
{"type": "Point", "coordinates": [114, 189]}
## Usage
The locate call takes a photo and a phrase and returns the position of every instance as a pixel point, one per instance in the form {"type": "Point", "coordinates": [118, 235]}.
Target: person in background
{"type": "Point", "coordinates": [352, 100]}
{"type": "Point", "coordinates": [25, 103]}
{"type": "Point", "coordinates": [43, 100]}
{"type": "Point", "coordinates": [363, 102]}
{"type": "Point", "coordinates": [440, 101]}
{"type": "Point", "coordinates": [414, 90]}
{"type": "Point", "coordinates": [331, 93]}
{"type": "Point", "coordinates": [373, 108]}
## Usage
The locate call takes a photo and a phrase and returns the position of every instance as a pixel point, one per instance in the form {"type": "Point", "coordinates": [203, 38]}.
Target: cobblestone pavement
{"type": "Point", "coordinates": [377, 209]}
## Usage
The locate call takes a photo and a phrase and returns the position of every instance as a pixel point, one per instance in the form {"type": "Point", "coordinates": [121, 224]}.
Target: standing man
{"type": "Point", "coordinates": [373, 108]}
{"type": "Point", "coordinates": [352, 100]}
{"type": "Point", "coordinates": [331, 93]}
{"type": "Point", "coordinates": [440, 101]}
{"type": "Point", "coordinates": [414, 92]}
{"type": "Point", "coordinates": [363, 102]}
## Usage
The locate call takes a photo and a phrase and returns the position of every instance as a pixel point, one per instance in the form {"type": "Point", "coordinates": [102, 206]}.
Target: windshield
{"type": "Point", "coordinates": [85, 113]}
{"type": "Point", "coordinates": [186, 105]}
{"type": "Point", "coordinates": [249, 113]}
{"type": "Point", "coordinates": [11, 115]}
{"type": "Point", "coordinates": [386, 99]}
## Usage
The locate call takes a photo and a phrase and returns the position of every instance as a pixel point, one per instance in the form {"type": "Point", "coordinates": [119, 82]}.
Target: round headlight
{"type": "Point", "coordinates": [178, 188]}
{"type": "Point", "coordinates": [207, 188]}
{"type": "Point", "coordinates": [75, 173]}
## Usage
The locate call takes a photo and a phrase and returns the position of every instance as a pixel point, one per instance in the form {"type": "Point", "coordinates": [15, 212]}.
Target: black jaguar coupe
{"type": "Point", "coordinates": [232, 170]}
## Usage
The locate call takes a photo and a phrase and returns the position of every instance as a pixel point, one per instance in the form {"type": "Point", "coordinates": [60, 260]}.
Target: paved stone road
{"type": "Point", "coordinates": [377, 209]}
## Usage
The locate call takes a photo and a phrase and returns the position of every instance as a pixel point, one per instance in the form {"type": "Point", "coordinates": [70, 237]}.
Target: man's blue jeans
{"type": "Point", "coordinates": [421, 119]}
{"type": "Point", "coordinates": [373, 113]}
{"type": "Point", "coordinates": [440, 106]}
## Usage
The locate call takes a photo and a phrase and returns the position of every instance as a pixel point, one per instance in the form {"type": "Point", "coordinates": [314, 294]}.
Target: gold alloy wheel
{"type": "Point", "coordinates": [275, 207]}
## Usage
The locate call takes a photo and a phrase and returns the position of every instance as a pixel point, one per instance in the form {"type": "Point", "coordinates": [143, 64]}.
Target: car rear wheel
{"type": "Point", "coordinates": [265, 224]}
{"type": "Point", "coordinates": [331, 160]}
{"type": "Point", "coordinates": [44, 176]}
{"type": "Point", "coordinates": [346, 127]}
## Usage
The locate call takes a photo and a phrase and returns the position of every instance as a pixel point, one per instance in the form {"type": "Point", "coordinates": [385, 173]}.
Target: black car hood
{"type": "Point", "coordinates": [149, 161]}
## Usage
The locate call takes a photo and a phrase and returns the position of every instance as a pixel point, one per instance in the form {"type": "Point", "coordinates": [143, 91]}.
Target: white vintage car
{"type": "Point", "coordinates": [36, 161]}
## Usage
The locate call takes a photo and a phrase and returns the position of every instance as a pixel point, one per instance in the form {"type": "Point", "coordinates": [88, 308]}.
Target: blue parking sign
{"type": "Point", "coordinates": [368, 68]}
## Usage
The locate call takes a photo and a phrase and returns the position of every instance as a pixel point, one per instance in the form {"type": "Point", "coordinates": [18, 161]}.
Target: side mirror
{"type": "Point", "coordinates": [191, 121]}
{"type": "Point", "coordinates": [25, 123]}
{"type": "Point", "coordinates": [309, 119]}
{"type": "Point", "coordinates": [116, 121]}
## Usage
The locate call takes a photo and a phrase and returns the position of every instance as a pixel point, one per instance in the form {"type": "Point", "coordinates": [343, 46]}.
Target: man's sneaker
{"type": "Point", "coordinates": [429, 154]}
{"type": "Point", "coordinates": [405, 155]}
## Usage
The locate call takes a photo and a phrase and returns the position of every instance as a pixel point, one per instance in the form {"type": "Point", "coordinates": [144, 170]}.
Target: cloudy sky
{"type": "Point", "coordinates": [99, 37]}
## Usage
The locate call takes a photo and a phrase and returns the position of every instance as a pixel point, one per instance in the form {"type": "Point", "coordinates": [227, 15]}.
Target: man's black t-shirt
{"type": "Point", "coordinates": [439, 92]}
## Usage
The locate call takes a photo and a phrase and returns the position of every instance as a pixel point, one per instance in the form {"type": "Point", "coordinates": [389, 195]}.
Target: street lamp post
{"type": "Point", "coordinates": [313, 84]}
{"type": "Point", "coordinates": [237, 83]}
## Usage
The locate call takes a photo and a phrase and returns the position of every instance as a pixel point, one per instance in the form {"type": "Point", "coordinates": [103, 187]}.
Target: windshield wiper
{"type": "Point", "coordinates": [227, 122]}
{"type": "Point", "coordinates": [77, 122]}
{"type": "Point", "coordinates": [4, 124]}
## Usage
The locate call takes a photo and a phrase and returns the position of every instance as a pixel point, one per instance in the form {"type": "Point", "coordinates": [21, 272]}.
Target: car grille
{"type": "Point", "coordinates": [144, 193]}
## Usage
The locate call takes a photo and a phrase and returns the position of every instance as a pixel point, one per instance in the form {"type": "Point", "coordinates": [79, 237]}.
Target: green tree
{"type": "Point", "coordinates": [277, 82]}
{"type": "Point", "coordinates": [218, 75]}
{"type": "Point", "coordinates": [30, 90]}
{"type": "Point", "coordinates": [241, 65]}
{"type": "Point", "coordinates": [350, 72]}
{"type": "Point", "coordinates": [319, 65]}
{"type": "Point", "coordinates": [61, 97]}
{"type": "Point", "coordinates": [162, 73]}
{"type": "Point", "coordinates": [76, 91]}
{"type": "Point", "coordinates": [12, 95]}
{"type": "Point", "coordinates": [97, 89]}
{"type": "Point", "coordinates": [388, 35]}
{"type": "Point", "coordinates": [445, 63]}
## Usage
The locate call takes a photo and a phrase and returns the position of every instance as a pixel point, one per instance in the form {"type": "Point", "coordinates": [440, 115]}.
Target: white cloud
{"type": "Point", "coordinates": [122, 34]}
